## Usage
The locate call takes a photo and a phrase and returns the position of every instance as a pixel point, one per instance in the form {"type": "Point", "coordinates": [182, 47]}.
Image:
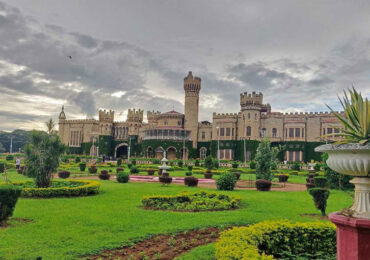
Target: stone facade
{"type": "Point", "coordinates": [254, 121]}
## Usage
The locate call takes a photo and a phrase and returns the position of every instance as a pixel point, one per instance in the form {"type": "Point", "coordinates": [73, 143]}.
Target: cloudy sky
{"type": "Point", "coordinates": [135, 54]}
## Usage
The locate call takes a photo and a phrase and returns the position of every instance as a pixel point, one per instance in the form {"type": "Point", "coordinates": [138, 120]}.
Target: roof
{"type": "Point", "coordinates": [173, 112]}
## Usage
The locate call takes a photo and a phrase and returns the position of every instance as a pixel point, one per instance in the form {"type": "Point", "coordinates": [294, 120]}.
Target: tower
{"type": "Point", "coordinates": [192, 86]}
{"type": "Point", "coordinates": [250, 117]}
{"type": "Point", "coordinates": [106, 119]}
{"type": "Point", "coordinates": [62, 118]}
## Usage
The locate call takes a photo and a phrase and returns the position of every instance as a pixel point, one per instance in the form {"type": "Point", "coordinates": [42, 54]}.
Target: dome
{"type": "Point", "coordinates": [62, 115]}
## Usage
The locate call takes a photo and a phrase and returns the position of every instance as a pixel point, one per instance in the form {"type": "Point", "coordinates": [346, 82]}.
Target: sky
{"type": "Point", "coordinates": [135, 54]}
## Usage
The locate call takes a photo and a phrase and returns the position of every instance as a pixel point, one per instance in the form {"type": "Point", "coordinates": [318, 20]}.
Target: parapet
{"type": "Point", "coordinates": [225, 115]}
{"type": "Point", "coordinates": [134, 115]}
{"type": "Point", "coordinates": [106, 116]}
{"type": "Point", "coordinates": [253, 99]}
{"type": "Point", "coordinates": [191, 83]}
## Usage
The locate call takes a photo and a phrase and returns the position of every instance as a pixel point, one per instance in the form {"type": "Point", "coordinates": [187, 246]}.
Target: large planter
{"type": "Point", "coordinates": [354, 160]}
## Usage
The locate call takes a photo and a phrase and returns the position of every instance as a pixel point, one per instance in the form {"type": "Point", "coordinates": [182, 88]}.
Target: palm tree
{"type": "Point", "coordinates": [50, 124]}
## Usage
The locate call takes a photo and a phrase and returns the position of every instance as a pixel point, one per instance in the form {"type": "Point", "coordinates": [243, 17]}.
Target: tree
{"type": "Point", "coordinates": [42, 157]}
{"type": "Point", "coordinates": [50, 125]}
{"type": "Point", "coordinates": [265, 158]}
{"type": "Point", "coordinates": [208, 162]}
{"type": "Point", "coordinates": [2, 148]}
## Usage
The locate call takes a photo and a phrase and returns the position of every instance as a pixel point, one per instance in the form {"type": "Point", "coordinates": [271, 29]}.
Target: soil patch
{"type": "Point", "coordinates": [16, 221]}
{"type": "Point", "coordinates": [163, 246]}
{"type": "Point", "coordinates": [315, 216]}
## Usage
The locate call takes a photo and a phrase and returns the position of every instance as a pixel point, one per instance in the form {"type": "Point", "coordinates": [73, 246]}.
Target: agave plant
{"type": "Point", "coordinates": [357, 118]}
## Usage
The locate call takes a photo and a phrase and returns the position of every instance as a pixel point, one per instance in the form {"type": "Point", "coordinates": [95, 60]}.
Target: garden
{"type": "Point", "coordinates": [57, 206]}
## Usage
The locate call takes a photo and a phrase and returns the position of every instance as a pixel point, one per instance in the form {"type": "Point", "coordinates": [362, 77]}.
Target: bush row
{"type": "Point", "coordinates": [278, 239]}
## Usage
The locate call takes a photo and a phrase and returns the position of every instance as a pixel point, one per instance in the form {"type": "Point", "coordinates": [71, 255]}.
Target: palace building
{"type": "Point", "coordinates": [182, 136]}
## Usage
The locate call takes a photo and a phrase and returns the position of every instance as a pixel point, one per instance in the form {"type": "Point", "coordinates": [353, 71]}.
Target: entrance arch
{"type": "Point", "coordinates": [159, 153]}
{"type": "Point", "coordinates": [171, 153]}
{"type": "Point", "coordinates": [149, 152]}
{"type": "Point", "coordinates": [121, 151]}
{"type": "Point", "coordinates": [183, 154]}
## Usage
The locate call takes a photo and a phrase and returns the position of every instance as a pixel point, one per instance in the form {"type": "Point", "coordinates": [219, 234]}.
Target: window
{"type": "Point", "coordinates": [336, 130]}
{"type": "Point", "coordinates": [302, 132]}
{"type": "Point", "coordinates": [291, 132]}
{"type": "Point", "coordinates": [226, 154]}
{"type": "Point", "coordinates": [227, 131]}
{"type": "Point", "coordinates": [274, 132]}
{"type": "Point", "coordinates": [263, 132]}
{"type": "Point", "coordinates": [249, 115]}
{"type": "Point", "coordinates": [290, 156]}
{"type": "Point", "coordinates": [297, 132]}
{"type": "Point", "coordinates": [324, 131]}
{"type": "Point", "coordinates": [203, 153]}
{"type": "Point", "coordinates": [179, 123]}
{"type": "Point", "coordinates": [249, 131]}
{"type": "Point", "coordinates": [330, 131]}
{"type": "Point", "coordinates": [247, 155]}
{"type": "Point", "coordinates": [203, 135]}
{"type": "Point", "coordinates": [165, 122]}
{"type": "Point", "coordinates": [255, 116]}
{"type": "Point", "coordinates": [222, 132]}
{"type": "Point", "coordinates": [297, 153]}
{"type": "Point", "coordinates": [232, 133]}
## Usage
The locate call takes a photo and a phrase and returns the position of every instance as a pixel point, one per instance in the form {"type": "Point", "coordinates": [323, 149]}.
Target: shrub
{"type": "Point", "coordinates": [75, 188]}
{"type": "Point", "coordinates": [226, 181]}
{"type": "Point", "coordinates": [263, 185]}
{"type": "Point", "coordinates": [77, 160]}
{"type": "Point", "coordinates": [317, 167]}
{"type": "Point", "coordinates": [196, 163]}
{"type": "Point", "coordinates": [320, 197]}
{"type": "Point", "coordinates": [133, 162]}
{"type": "Point", "coordinates": [215, 164]}
{"type": "Point", "coordinates": [82, 166]}
{"type": "Point", "coordinates": [156, 161]}
{"type": "Point", "coordinates": [265, 157]}
{"type": "Point", "coordinates": [129, 165]}
{"type": "Point", "coordinates": [9, 157]}
{"type": "Point", "coordinates": [190, 168]}
{"type": "Point", "coordinates": [197, 201]}
{"type": "Point", "coordinates": [293, 173]}
{"type": "Point", "coordinates": [2, 167]}
{"type": "Point", "coordinates": [64, 174]}
{"type": "Point", "coordinates": [336, 180]}
{"type": "Point", "coordinates": [119, 169]}
{"type": "Point", "coordinates": [278, 240]}
{"type": "Point", "coordinates": [42, 157]}
{"type": "Point", "coordinates": [320, 182]}
{"type": "Point", "coordinates": [252, 165]}
{"type": "Point", "coordinates": [119, 161]}
{"type": "Point", "coordinates": [180, 163]}
{"type": "Point", "coordinates": [237, 175]}
{"type": "Point", "coordinates": [150, 171]}
{"type": "Point", "coordinates": [134, 169]}
{"type": "Point", "coordinates": [123, 177]}
{"type": "Point", "coordinates": [9, 195]}
{"type": "Point", "coordinates": [93, 169]}
{"type": "Point", "coordinates": [191, 181]}
{"type": "Point", "coordinates": [104, 175]}
{"type": "Point", "coordinates": [235, 165]}
{"type": "Point", "coordinates": [189, 173]}
{"type": "Point", "coordinates": [283, 177]}
{"type": "Point", "coordinates": [296, 166]}
{"type": "Point", "coordinates": [165, 179]}
{"type": "Point", "coordinates": [208, 174]}
{"type": "Point", "coordinates": [208, 162]}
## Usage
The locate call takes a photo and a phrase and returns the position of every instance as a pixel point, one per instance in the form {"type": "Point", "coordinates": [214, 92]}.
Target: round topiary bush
{"type": "Point", "coordinates": [208, 174]}
{"type": "Point", "coordinates": [191, 181]}
{"type": "Point", "coordinates": [165, 179]}
{"type": "Point", "coordinates": [2, 167]}
{"type": "Point", "coordinates": [134, 169]}
{"type": "Point", "coordinates": [252, 165]}
{"type": "Point", "coordinates": [278, 240]}
{"type": "Point", "coordinates": [197, 201]}
{"type": "Point", "coordinates": [59, 188]}
{"type": "Point", "coordinates": [150, 171]}
{"type": "Point", "coordinates": [93, 170]}
{"type": "Point", "coordinates": [226, 181]}
{"type": "Point", "coordinates": [235, 165]}
{"type": "Point", "coordinates": [196, 163]}
{"type": "Point", "coordinates": [9, 195]}
{"type": "Point", "coordinates": [123, 177]}
{"type": "Point", "coordinates": [9, 157]}
{"type": "Point", "coordinates": [189, 173]}
{"type": "Point", "coordinates": [77, 160]}
{"type": "Point", "coordinates": [263, 185]}
{"type": "Point", "coordinates": [104, 175]}
{"type": "Point", "coordinates": [82, 166]}
{"type": "Point", "coordinates": [283, 177]}
{"type": "Point", "coordinates": [64, 174]}
{"type": "Point", "coordinates": [119, 161]}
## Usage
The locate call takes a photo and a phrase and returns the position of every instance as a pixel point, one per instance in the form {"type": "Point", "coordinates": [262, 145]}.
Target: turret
{"type": "Point", "coordinates": [106, 116]}
{"type": "Point", "coordinates": [192, 86]}
{"type": "Point", "coordinates": [135, 115]}
{"type": "Point", "coordinates": [62, 115]}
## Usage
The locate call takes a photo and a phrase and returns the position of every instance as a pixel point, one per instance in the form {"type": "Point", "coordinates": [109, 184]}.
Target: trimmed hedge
{"type": "Point", "coordinates": [278, 239]}
{"type": "Point", "coordinates": [197, 201]}
{"type": "Point", "coordinates": [226, 181]}
{"type": "Point", "coordinates": [82, 166]}
{"type": "Point", "coordinates": [320, 182]}
{"type": "Point", "coordinates": [320, 197]}
{"type": "Point", "coordinates": [9, 195]}
{"type": "Point", "coordinates": [64, 174]}
{"type": "Point", "coordinates": [104, 175]}
{"type": "Point", "coordinates": [85, 188]}
{"type": "Point", "coordinates": [191, 181]}
{"type": "Point", "coordinates": [123, 177]}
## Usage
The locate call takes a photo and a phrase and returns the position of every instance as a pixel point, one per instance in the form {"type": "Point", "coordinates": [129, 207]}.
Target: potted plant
{"type": "Point", "coordinates": [208, 162]}
{"type": "Point", "coordinates": [351, 156]}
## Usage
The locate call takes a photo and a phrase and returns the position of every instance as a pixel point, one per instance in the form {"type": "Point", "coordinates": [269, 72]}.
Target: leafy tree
{"type": "Point", "coordinates": [50, 125]}
{"type": "Point", "coordinates": [265, 158]}
{"type": "Point", "coordinates": [42, 157]}
{"type": "Point", "coordinates": [208, 162]}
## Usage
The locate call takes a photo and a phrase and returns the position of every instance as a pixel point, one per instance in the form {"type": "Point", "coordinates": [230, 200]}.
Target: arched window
{"type": "Point", "coordinates": [263, 132]}
{"type": "Point", "coordinates": [274, 132]}
{"type": "Point", "coordinates": [203, 153]}
{"type": "Point", "coordinates": [249, 131]}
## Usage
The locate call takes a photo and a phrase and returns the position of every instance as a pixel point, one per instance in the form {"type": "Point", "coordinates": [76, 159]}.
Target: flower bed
{"type": "Point", "coordinates": [278, 239]}
{"type": "Point", "coordinates": [197, 201]}
{"type": "Point", "coordinates": [71, 188]}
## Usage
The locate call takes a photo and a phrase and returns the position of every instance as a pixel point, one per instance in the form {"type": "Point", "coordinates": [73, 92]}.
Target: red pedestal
{"type": "Point", "coordinates": [353, 237]}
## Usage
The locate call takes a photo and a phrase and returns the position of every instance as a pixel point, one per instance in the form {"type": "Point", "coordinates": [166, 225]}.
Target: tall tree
{"type": "Point", "coordinates": [50, 125]}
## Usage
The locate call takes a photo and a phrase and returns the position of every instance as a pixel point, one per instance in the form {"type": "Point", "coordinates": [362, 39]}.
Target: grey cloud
{"type": "Point", "coordinates": [85, 101]}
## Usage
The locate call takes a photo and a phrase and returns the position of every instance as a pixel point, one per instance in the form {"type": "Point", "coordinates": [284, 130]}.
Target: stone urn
{"type": "Point", "coordinates": [353, 227]}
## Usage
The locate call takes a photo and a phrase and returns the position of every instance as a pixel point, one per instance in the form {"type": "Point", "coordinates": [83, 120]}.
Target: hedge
{"type": "Point", "coordinates": [8, 199]}
{"type": "Point", "coordinates": [278, 239]}
{"type": "Point", "coordinates": [86, 188]}
{"type": "Point", "coordinates": [196, 201]}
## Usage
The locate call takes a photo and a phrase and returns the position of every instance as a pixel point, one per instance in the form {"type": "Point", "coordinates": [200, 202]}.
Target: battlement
{"type": "Point", "coordinates": [152, 116]}
{"type": "Point", "coordinates": [303, 114]}
{"type": "Point", "coordinates": [81, 121]}
{"type": "Point", "coordinates": [191, 83]}
{"type": "Point", "coordinates": [106, 116]}
{"type": "Point", "coordinates": [134, 115]}
{"type": "Point", "coordinates": [225, 115]}
{"type": "Point", "coordinates": [251, 98]}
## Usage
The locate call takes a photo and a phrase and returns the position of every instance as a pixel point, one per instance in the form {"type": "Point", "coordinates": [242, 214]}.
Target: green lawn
{"type": "Point", "coordinates": [65, 228]}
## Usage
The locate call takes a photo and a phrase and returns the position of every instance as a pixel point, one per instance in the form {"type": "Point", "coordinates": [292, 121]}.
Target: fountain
{"type": "Point", "coordinates": [164, 178]}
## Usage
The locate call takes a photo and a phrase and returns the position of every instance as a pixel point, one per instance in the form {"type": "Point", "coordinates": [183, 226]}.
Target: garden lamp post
{"type": "Point", "coordinates": [11, 144]}
{"type": "Point", "coordinates": [245, 155]}
{"type": "Point", "coordinates": [183, 149]}
{"type": "Point", "coordinates": [129, 149]}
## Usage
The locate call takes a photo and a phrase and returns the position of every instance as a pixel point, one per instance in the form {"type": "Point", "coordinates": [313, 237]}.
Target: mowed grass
{"type": "Point", "coordinates": [67, 228]}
